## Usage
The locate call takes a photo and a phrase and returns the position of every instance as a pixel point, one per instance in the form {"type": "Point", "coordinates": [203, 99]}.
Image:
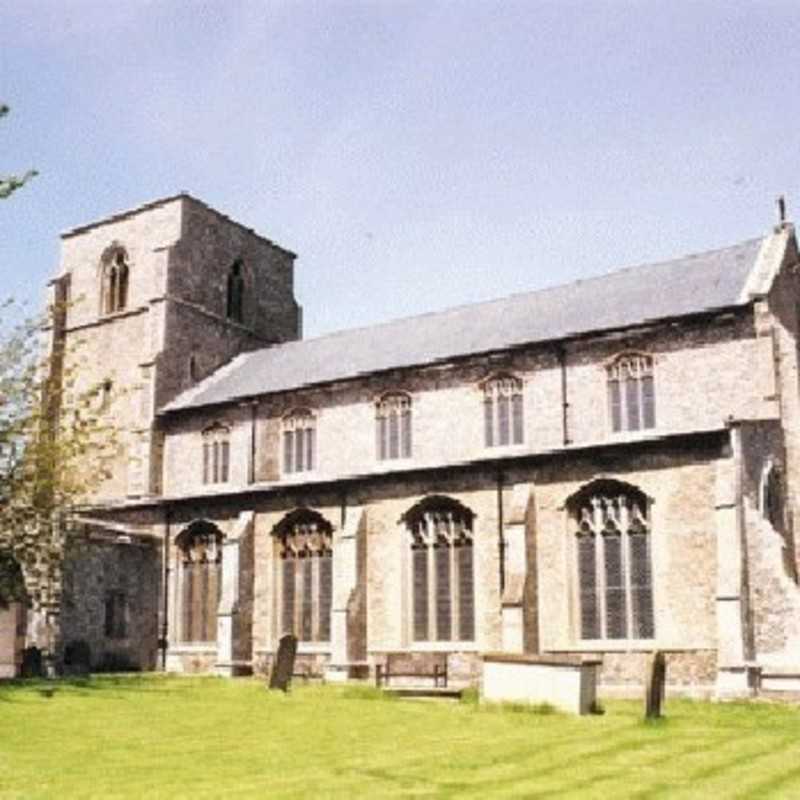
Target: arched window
{"type": "Point", "coordinates": [200, 557]}
{"type": "Point", "coordinates": [115, 279]}
{"type": "Point", "coordinates": [502, 406]}
{"type": "Point", "coordinates": [216, 454]}
{"type": "Point", "coordinates": [234, 308]}
{"type": "Point", "coordinates": [305, 575]}
{"type": "Point", "coordinates": [613, 561]}
{"type": "Point", "coordinates": [442, 572]}
{"type": "Point", "coordinates": [299, 445]}
{"type": "Point", "coordinates": [393, 426]}
{"type": "Point", "coordinates": [631, 392]}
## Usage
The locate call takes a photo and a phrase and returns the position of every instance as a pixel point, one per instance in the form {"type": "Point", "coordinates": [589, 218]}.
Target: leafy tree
{"type": "Point", "coordinates": [10, 183]}
{"type": "Point", "coordinates": [54, 448]}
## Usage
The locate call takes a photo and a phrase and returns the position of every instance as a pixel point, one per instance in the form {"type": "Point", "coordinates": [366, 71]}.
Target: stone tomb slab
{"type": "Point", "coordinates": [569, 683]}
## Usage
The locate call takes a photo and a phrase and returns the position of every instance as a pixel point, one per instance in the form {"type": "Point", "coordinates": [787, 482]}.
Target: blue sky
{"type": "Point", "coordinates": [416, 155]}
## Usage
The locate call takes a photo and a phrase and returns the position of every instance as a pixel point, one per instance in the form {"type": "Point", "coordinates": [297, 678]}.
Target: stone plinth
{"type": "Point", "coordinates": [569, 683]}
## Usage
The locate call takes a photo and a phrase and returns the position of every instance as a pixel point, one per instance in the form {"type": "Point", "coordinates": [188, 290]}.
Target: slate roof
{"type": "Point", "coordinates": [636, 295]}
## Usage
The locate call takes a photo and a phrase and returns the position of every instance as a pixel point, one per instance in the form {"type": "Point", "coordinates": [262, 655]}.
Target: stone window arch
{"type": "Point", "coordinates": [393, 426]}
{"type": "Point", "coordinates": [216, 453]}
{"type": "Point", "coordinates": [299, 441]}
{"type": "Point", "coordinates": [631, 392]}
{"type": "Point", "coordinates": [235, 290]}
{"type": "Point", "coordinates": [610, 523]}
{"type": "Point", "coordinates": [199, 563]}
{"type": "Point", "coordinates": [115, 278]}
{"type": "Point", "coordinates": [503, 410]}
{"type": "Point", "coordinates": [304, 541]}
{"type": "Point", "coordinates": [442, 570]}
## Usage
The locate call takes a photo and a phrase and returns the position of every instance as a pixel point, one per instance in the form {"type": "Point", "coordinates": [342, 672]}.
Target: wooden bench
{"type": "Point", "coordinates": [413, 665]}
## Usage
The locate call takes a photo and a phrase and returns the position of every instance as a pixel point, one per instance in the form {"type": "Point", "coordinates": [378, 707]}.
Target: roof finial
{"type": "Point", "coordinates": [781, 210]}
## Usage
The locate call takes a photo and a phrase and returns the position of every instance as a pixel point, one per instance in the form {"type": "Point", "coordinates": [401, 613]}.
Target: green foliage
{"type": "Point", "coordinates": [54, 448]}
{"type": "Point", "coordinates": [10, 183]}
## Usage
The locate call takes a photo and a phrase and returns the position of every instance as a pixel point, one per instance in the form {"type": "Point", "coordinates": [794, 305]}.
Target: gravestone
{"type": "Point", "coordinates": [77, 658]}
{"type": "Point", "coordinates": [655, 685]}
{"type": "Point", "coordinates": [32, 663]}
{"type": "Point", "coordinates": [283, 668]}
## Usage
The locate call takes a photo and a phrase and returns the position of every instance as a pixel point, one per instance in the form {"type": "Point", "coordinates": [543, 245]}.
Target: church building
{"type": "Point", "coordinates": [600, 469]}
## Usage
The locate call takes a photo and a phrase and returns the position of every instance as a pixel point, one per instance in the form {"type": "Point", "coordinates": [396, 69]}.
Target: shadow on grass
{"type": "Point", "coordinates": [15, 690]}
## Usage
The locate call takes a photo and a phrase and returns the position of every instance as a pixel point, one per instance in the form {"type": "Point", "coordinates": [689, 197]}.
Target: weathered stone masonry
{"type": "Point", "coordinates": [704, 562]}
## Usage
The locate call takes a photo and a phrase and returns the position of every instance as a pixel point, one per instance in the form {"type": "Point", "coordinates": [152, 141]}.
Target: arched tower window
{"type": "Point", "coordinates": [200, 558]}
{"type": "Point", "coordinates": [299, 441]}
{"type": "Point", "coordinates": [611, 524]}
{"type": "Point", "coordinates": [216, 453]}
{"type": "Point", "coordinates": [235, 292]}
{"type": "Point", "coordinates": [502, 406]}
{"type": "Point", "coordinates": [393, 426]}
{"type": "Point", "coordinates": [631, 392]}
{"type": "Point", "coordinates": [305, 575]}
{"type": "Point", "coordinates": [442, 570]}
{"type": "Point", "coordinates": [115, 280]}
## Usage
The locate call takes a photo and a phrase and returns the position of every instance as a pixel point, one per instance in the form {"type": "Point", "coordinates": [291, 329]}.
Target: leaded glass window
{"type": "Point", "coordinates": [299, 441]}
{"type": "Point", "coordinates": [502, 411]}
{"type": "Point", "coordinates": [393, 426]}
{"type": "Point", "coordinates": [305, 552]}
{"type": "Point", "coordinates": [613, 562]}
{"type": "Point", "coordinates": [442, 571]}
{"type": "Point", "coordinates": [216, 454]}
{"type": "Point", "coordinates": [199, 565]}
{"type": "Point", "coordinates": [631, 393]}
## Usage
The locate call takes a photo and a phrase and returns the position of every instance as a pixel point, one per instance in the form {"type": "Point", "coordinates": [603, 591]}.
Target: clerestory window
{"type": "Point", "coordinates": [442, 570]}
{"type": "Point", "coordinates": [305, 575]}
{"type": "Point", "coordinates": [502, 408]}
{"type": "Point", "coordinates": [216, 454]}
{"type": "Point", "coordinates": [299, 441]}
{"type": "Point", "coordinates": [393, 426]}
{"type": "Point", "coordinates": [613, 561]}
{"type": "Point", "coordinates": [631, 393]}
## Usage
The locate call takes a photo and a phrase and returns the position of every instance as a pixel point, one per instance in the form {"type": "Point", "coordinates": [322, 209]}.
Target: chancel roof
{"type": "Point", "coordinates": [633, 296]}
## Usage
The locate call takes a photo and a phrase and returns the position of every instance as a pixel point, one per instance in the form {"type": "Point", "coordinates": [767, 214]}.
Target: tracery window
{"type": "Point", "coordinates": [305, 577]}
{"type": "Point", "coordinates": [613, 561]}
{"type": "Point", "coordinates": [216, 454]}
{"type": "Point", "coordinates": [393, 426]}
{"type": "Point", "coordinates": [631, 392]}
{"type": "Point", "coordinates": [503, 420]}
{"type": "Point", "coordinates": [200, 559]}
{"type": "Point", "coordinates": [234, 305]}
{"type": "Point", "coordinates": [442, 570]}
{"type": "Point", "coordinates": [299, 441]}
{"type": "Point", "coordinates": [114, 290]}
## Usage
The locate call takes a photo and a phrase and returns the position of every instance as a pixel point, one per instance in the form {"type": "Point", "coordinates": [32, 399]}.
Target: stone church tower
{"type": "Point", "coordinates": [157, 298]}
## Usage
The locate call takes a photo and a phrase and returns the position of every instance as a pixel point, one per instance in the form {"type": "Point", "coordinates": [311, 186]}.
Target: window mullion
{"type": "Point", "coordinates": [432, 606]}
{"type": "Point", "coordinates": [626, 582]}
{"type": "Point", "coordinates": [600, 581]}
{"type": "Point", "coordinates": [455, 595]}
{"type": "Point", "coordinates": [315, 637]}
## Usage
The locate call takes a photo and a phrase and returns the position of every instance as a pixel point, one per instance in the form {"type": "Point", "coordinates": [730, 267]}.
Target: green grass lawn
{"type": "Point", "coordinates": [173, 737]}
